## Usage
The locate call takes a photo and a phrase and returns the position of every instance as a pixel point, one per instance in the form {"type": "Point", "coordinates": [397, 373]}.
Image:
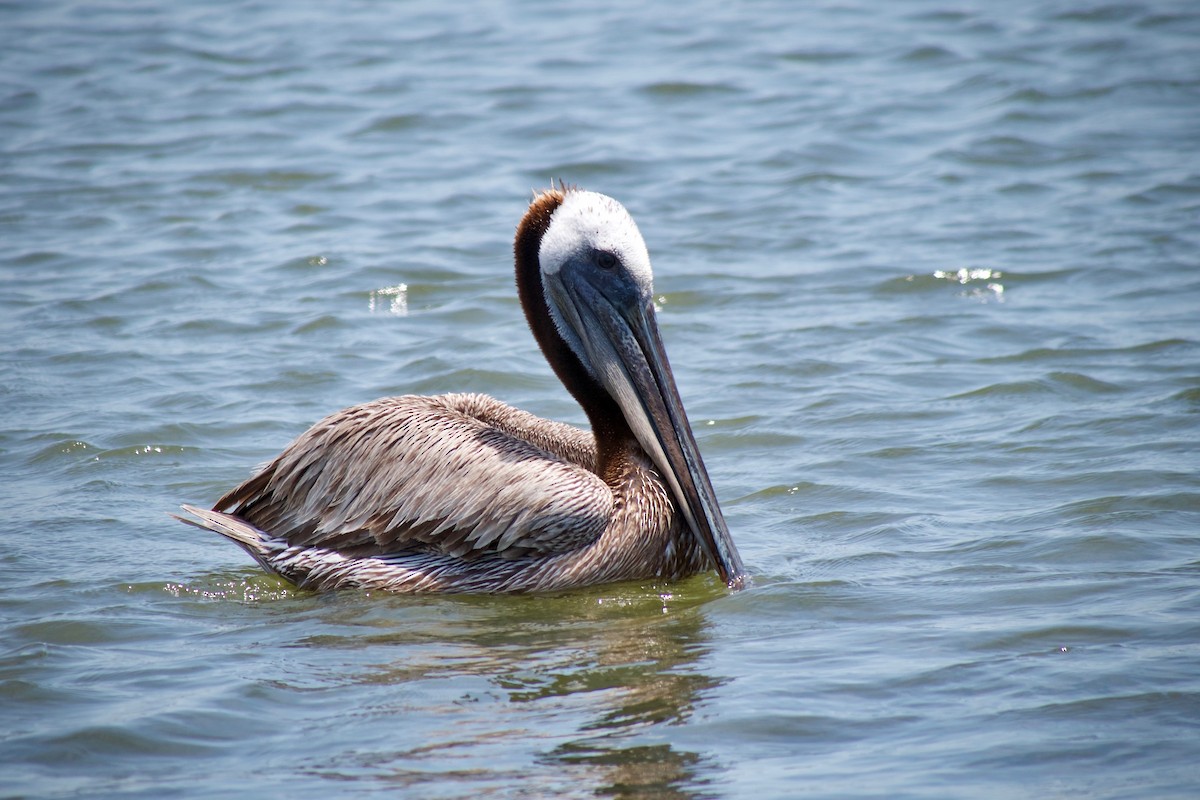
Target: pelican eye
{"type": "Point", "coordinates": [606, 261]}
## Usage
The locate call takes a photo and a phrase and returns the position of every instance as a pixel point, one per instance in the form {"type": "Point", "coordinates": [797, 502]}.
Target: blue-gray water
{"type": "Point", "coordinates": [930, 282]}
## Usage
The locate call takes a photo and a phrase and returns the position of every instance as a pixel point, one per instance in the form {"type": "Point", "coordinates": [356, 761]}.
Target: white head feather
{"type": "Point", "coordinates": [588, 221]}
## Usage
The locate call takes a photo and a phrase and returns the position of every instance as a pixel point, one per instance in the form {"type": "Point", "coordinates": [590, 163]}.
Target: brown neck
{"type": "Point", "coordinates": [608, 423]}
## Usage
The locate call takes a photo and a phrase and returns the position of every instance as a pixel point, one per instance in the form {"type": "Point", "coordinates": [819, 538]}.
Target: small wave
{"type": "Point", "coordinates": [1054, 383]}
{"type": "Point", "coordinates": [980, 283]}
{"type": "Point", "coordinates": [254, 587]}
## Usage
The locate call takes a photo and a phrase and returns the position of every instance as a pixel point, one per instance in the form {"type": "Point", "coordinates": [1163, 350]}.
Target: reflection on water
{"type": "Point", "coordinates": [647, 670]}
{"type": "Point", "coordinates": [579, 685]}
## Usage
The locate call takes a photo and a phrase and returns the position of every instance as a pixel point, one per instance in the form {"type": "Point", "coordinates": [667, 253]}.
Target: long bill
{"type": "Point", "coordinates": [630, 360]}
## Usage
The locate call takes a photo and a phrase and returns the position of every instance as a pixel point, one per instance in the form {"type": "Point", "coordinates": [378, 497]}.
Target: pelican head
{"type": "Point", "coordinates": [597, 285]}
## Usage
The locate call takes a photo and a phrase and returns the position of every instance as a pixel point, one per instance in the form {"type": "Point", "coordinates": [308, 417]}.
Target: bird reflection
{"type": "Point", "coordinates": [578, 692]}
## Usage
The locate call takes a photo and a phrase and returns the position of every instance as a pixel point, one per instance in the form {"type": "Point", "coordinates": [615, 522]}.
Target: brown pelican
{"type": "Point", "coordinates": [462, 493]}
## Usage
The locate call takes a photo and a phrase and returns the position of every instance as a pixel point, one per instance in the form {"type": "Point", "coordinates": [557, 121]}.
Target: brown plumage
{"type": "Point", "coordinates": [462, 493]}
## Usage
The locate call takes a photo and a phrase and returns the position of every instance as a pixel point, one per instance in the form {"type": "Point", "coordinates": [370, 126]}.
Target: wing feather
{"type": "Point", "coordinates": [463, 475]}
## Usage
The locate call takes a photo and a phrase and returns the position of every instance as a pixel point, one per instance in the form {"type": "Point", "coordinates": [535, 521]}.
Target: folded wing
{"type": "Point", "coordinates": [460, 475]}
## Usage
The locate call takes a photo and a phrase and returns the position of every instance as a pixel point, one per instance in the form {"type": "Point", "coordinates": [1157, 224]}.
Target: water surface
{"type": "Point", "coordinates": [928, 276]}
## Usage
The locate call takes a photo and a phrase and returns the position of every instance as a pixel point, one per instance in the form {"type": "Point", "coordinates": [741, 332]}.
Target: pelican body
{"type": "Point", "coordinates": [463, 493]}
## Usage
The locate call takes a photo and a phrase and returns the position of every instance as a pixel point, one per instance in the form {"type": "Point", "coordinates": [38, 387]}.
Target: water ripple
{"type": "Point", "coordinates": [926, 278]}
